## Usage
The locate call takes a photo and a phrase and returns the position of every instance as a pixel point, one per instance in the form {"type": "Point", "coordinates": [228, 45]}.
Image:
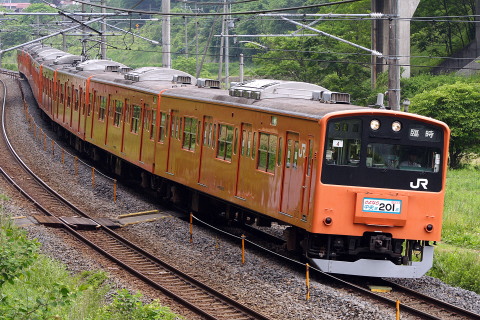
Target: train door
{"type": "Point", "coordinates": [175, 128]}
{"type": "Point", "coordinates": [307, 180]}
{"type": "Point", "coordinates": [207, 150]}
{"type": "Point", "coordinates": [293, 176]}
{"type": "Point", "coordinates": [246, 162]}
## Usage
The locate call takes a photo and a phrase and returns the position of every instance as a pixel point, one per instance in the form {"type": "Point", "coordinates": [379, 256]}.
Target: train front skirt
{"type": "Point", "coordinates": [378, 268]}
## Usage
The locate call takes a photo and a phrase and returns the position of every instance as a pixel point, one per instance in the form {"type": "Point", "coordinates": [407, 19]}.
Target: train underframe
{"type": "Point", "coordinates": [373, 254]}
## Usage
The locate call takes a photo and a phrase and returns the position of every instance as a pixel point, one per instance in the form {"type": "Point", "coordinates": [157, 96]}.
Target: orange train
{"type": "Point", "coordinates": [361, 189]}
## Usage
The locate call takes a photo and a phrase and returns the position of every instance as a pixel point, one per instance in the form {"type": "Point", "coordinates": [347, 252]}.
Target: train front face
{"type": "Point", "coordinates": [379, 198]}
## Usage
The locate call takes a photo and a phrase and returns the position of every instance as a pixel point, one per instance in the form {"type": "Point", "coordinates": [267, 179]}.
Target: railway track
{"type": "Point", "coordinates": [411, 301]}
{"type": "Point", "coordinates": [197, 297]}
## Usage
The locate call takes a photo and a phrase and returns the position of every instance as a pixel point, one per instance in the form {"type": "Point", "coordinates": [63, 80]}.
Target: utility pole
{"type": "Point", "coordinates": [166, 58]}
{"type": "Point", "coordinates": [393, 59]}
{"type": "Point", "coordinates": [103, 37]}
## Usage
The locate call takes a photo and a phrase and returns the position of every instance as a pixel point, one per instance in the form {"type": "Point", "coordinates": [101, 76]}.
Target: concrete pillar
{"type": "Point", "coordinates": [406, 9]}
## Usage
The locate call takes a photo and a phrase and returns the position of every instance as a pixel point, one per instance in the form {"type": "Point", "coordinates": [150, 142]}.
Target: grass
{"type": "Point", "coordinates": [457, 257]}
{"type": "Point", "coordinates": [33, 286]}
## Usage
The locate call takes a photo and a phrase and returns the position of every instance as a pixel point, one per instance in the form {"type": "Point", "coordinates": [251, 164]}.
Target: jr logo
{"type": "Point", "coordinates": [420, 182]}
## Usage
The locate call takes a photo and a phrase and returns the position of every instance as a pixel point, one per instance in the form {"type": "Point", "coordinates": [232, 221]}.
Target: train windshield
{"type": "Point", "coordinates": [356, 154]}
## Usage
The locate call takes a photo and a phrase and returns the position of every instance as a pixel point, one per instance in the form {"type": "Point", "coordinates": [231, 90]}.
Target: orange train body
{"type": "Point", "coordinates": [271, 149]}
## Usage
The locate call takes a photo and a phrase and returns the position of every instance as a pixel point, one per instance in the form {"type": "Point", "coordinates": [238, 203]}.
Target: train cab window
{"type": "Point", "coordinates": [224, 143]}
{"type": "Point", "coordinates": [343, 143]}
{"type": "Point", "coordinates": [163, 127]}
{"type": "Point", "coordinates": [135, 125]}
{"type": "Point", "coordinates": [267, 150]}
{"type": "Point", "coordinates": [402, 157]}
{"type": "Point", "coordinates": [118, 113]}
{"type": "Point", "coordinates": [189, 134]}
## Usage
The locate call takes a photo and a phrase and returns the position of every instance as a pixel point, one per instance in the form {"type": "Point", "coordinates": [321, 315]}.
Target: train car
{"type": "Point", "coordinates": [360, 189]}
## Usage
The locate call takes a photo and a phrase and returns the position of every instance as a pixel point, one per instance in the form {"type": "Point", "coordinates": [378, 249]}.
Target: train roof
{"type": "Point", "coordinates": [287, 97]}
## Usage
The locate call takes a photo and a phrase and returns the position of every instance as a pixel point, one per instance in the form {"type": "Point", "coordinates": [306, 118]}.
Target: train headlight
{"type": "Point", "coordinates": [429, 228]}
{"type": "Point", "coordinates": [328, 221]}
{"type": "Point", "coordinates": [375, 125]}
{"type": "Point", "coordinates": [396, 126]}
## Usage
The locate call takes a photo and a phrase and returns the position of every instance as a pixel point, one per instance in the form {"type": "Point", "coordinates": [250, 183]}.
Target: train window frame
{"type": "Point", "coordinates": [235, 141]}
{"type": "Point", "coordinates": [225, 142]}
{"type": "Point", "coordinates": [69, 96]}
{"type": "Point", "coordinates": [136, 116]}
{"type": "Point", "coordinates": [279, 152]}
{"type": "Point", "coordinates": [117, 119]}
{"type": "Point", "coordinates": [267, 152]}
{"type": "Point", "coordinates": [162, 127]}
{"type": "Point", "coordinates": [102, 108]}
{"type": "Point", "coordinates": [153, 125]}
{"type": "Point", "coordinates": [189, 133]}
{"type": "Point", "coordinates": [344, 143]}
{"type": "Point", "coordinates": [76, 100]}
{"type": "Point", "coordinates": [146, 117]}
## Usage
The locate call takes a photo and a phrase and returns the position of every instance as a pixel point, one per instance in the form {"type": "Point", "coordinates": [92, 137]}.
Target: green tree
{"type": "Point", "coordinates": [458, 105]}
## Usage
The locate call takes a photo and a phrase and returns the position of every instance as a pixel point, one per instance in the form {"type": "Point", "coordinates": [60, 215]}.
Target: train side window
{"type": "Point", "coordinates": [295, 154]}
{"type": "Point", "coordinates": [235, 141]}
{"type": "Point", "coordinates": [128, 111]}
{"type": "Point", "coordinates": [75, 100]}
{"type": "Point", "coordinates": [225, 140]}
{"type": "Point", "coordinates": [214, 136]}
{"type": "Point", "coordinates": [267, 150]}
{"type": "Point", "coordinates": [135, 118]}
{"type": "Point", "coordinates": [118, 113]}
{"type": "Point", "coordinates": [289, 153]}
{"type": "Point", "coordinates": [254, 144]}
{"type": "Point", "coordinates": [103, 106]}
{"type": "Point", "coordinates": [180, 128]}
{"type": "Point", "coordinates": [310, 157]}
{"type": "Point", "coordinates": [111, 107]}
{"type": "Point", "coordinates": [189, 134]}
{"type": "Point", "coordinates": [244, 142]}
{"type": "Point", "coordinates": [153, 125]}
{"type": "Point", "coordinates": [146, 117]}
{"type": "Point", "coordinates": [172, 129]}
{"type": "Point", "coordinates": [163, 127]}
{"type": "Point", "coordinates": [199, 128]}
{"type": "Point", "coordinates": [279, 157]}
{"type": "Point", "coordinates": [69, 96]}
{"type": "Point", "coordinates": [91, 102]}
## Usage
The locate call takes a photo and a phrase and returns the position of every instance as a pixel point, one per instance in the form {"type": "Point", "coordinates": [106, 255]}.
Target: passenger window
{"type": "Point", "coordinates": [190, 134]}
{"type": "Point", "coordinates": [267, 151]}
{"type": "Point", "coordinates": [279, 157]}
{"type": "Point", "coordinates": [163, 127]}
{"type": "Point", "coordinates": [225, 140]}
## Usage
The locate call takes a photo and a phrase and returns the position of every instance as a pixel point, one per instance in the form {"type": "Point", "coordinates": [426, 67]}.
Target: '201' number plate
{"type": "Point", "coordinates": [382, 205]}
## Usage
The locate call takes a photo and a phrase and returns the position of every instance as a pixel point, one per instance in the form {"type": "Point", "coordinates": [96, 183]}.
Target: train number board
{"type": "Point", "coordinates": [382, 205]}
